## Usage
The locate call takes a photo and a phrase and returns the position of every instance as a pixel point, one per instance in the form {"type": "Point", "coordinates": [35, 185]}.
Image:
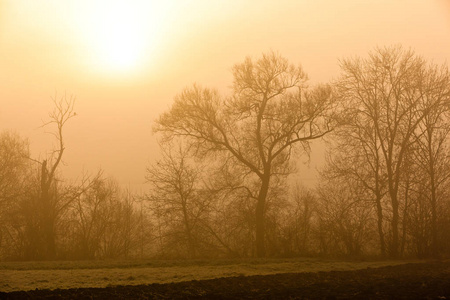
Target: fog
{"type": "Point", "coordinates": [196, 144]}
{"type": "Point", "coordinates": [50, 48]}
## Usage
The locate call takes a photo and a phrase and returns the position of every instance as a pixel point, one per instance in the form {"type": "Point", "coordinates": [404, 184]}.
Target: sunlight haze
{"type": "Point", "coordinates": [124, 61]}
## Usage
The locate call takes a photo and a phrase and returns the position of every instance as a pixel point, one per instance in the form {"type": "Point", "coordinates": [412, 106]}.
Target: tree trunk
{"type": "Point", "coordinates": [380, 225]}
{"type": "Point", "coordinates": [394, 223]}
{"type": "Point", "coordinates": [434, 239]}
{"type": "Point", "coordinates": [260, 217]}
{"type": "Point", "coordinates": [404, 223]}
{"type": "Point", "coordinates": [48, 247]}
{"type": "Point", "coordinates": [432, 172]}
{"type": "Point", "coordinates": [188, 230]}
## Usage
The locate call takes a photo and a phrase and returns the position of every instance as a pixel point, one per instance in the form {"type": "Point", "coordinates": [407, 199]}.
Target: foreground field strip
{"type": "Point", "coordinates": [15, 280]}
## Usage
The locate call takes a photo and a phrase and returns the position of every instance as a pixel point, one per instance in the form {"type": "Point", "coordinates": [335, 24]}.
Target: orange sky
{"type": "Point", "coordinates": [126, 60]}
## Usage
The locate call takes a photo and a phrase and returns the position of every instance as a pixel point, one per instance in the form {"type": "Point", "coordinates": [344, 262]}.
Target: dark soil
{"type": "Point", "coordinates": [410, 281]}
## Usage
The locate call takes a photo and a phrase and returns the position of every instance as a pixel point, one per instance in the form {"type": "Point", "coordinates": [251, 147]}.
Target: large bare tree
{"type": "Point", "coordinates": [256, 128]}
{"type": "Point", "coordinates": [390, 93]}
{"type": "Point", "coordinates": [355, 155]}
{"type": "Point", "coordinates": [431, 152]}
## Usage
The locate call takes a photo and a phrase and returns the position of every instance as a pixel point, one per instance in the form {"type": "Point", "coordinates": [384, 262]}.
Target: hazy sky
{"type": "Point", "coordinates": [126, 60]}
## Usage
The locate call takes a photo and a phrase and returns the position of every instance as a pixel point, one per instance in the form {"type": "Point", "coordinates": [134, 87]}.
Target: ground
{"type": "Point", "coordinates": [425, 280]}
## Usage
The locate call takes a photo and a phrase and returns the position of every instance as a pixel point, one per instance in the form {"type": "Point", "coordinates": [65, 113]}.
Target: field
{"type": "Point", "coordinates": [203, 277]}
{"type": "Point", "coordinates": [52, 275]}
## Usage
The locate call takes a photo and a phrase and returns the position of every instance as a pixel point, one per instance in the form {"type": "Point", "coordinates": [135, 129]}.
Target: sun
{"type": "Point", "coordinates": [120, 35]}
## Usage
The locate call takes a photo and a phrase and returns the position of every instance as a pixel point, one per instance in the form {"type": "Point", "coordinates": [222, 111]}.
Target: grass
{"type": "Point", "coordinates": [75, 274]}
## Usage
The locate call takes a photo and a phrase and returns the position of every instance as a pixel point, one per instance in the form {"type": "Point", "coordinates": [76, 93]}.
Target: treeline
{"type": "Point", "coordinates": [225, 183]}
{"type": "Point", "coordinates": [42, 217]}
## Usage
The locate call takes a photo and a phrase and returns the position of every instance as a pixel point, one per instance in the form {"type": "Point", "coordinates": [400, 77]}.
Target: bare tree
{"type": "Point", "coordinates": [14, 172]}
{"type": "Point", "coordinates": [51, 203]}
{"type": "Point", "coordinates": [344, 218]}
{"type": "Point", "coordinates": [121, 236]}
{"type": "Point", "coordinates": [89, 218]}
{"type": "Point", "coordinates": [52, 206]}
{"type": "Point", "coordinates": [270, 111]}
{"type": "Point", "coordinates": [431, 147]}
{"type": "Point", "coordinates": [105, 222]}
{"type": "Point", "coordinates": [388, 93]}
{"type": "Point", "coordinates": [355, 155]}
{"type": "Point", "coordinates": [176, 197]}
{"type": "Point", "coordinates": [296, 222]}
{"type": "Point", "coordinates": [13, 163]}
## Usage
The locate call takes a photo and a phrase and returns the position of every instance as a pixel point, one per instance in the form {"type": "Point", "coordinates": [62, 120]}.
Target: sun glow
{"type": "Point", "coordinates": [121, 35]}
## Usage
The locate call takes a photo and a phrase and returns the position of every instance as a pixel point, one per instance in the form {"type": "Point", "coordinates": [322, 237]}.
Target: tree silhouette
{"type": "Point", "coordinates": [51, 204]}
{"type": "Point", "coordinates": [389, 95]}
{"type": "Point", "coordinates": [269, 112]}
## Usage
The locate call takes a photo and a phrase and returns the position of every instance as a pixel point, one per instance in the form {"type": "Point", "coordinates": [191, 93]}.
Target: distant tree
{"type": "Point", "coordinates": [45, 198]}
{"type": "Point", "coordinates": [89, 220]}
{"type": "Point", "coordinates": [13, 163]}
{"type": "Point", "coordinates": [42, 200]}
{"type": "Point", "coordinates": [177, 198]}
{"type": "Point", "coordinates": [269, 112]}
{"type": "Point", "coordinates": [355, 155]}
{"type": "Point", "coordinates": [122, 228]}
{"type": "Point", "coordinates": [387, 93]}
{"type": "Point", "coordinates": [51, 204]}
{"type": "Point", "coordinates": [14, 171]}
{"type": "Point", "coordinates": [431, 151]}
{"type": "Point", "coordinates": [344, 218]}
{"type": "Point", "coordinates": [297, 222]}
{"type": "Point", "coordinates": [104, 222]}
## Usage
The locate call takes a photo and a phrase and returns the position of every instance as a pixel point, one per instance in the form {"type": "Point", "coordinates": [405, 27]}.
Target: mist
{"type": "Point", "coordinates": [277, 135]}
